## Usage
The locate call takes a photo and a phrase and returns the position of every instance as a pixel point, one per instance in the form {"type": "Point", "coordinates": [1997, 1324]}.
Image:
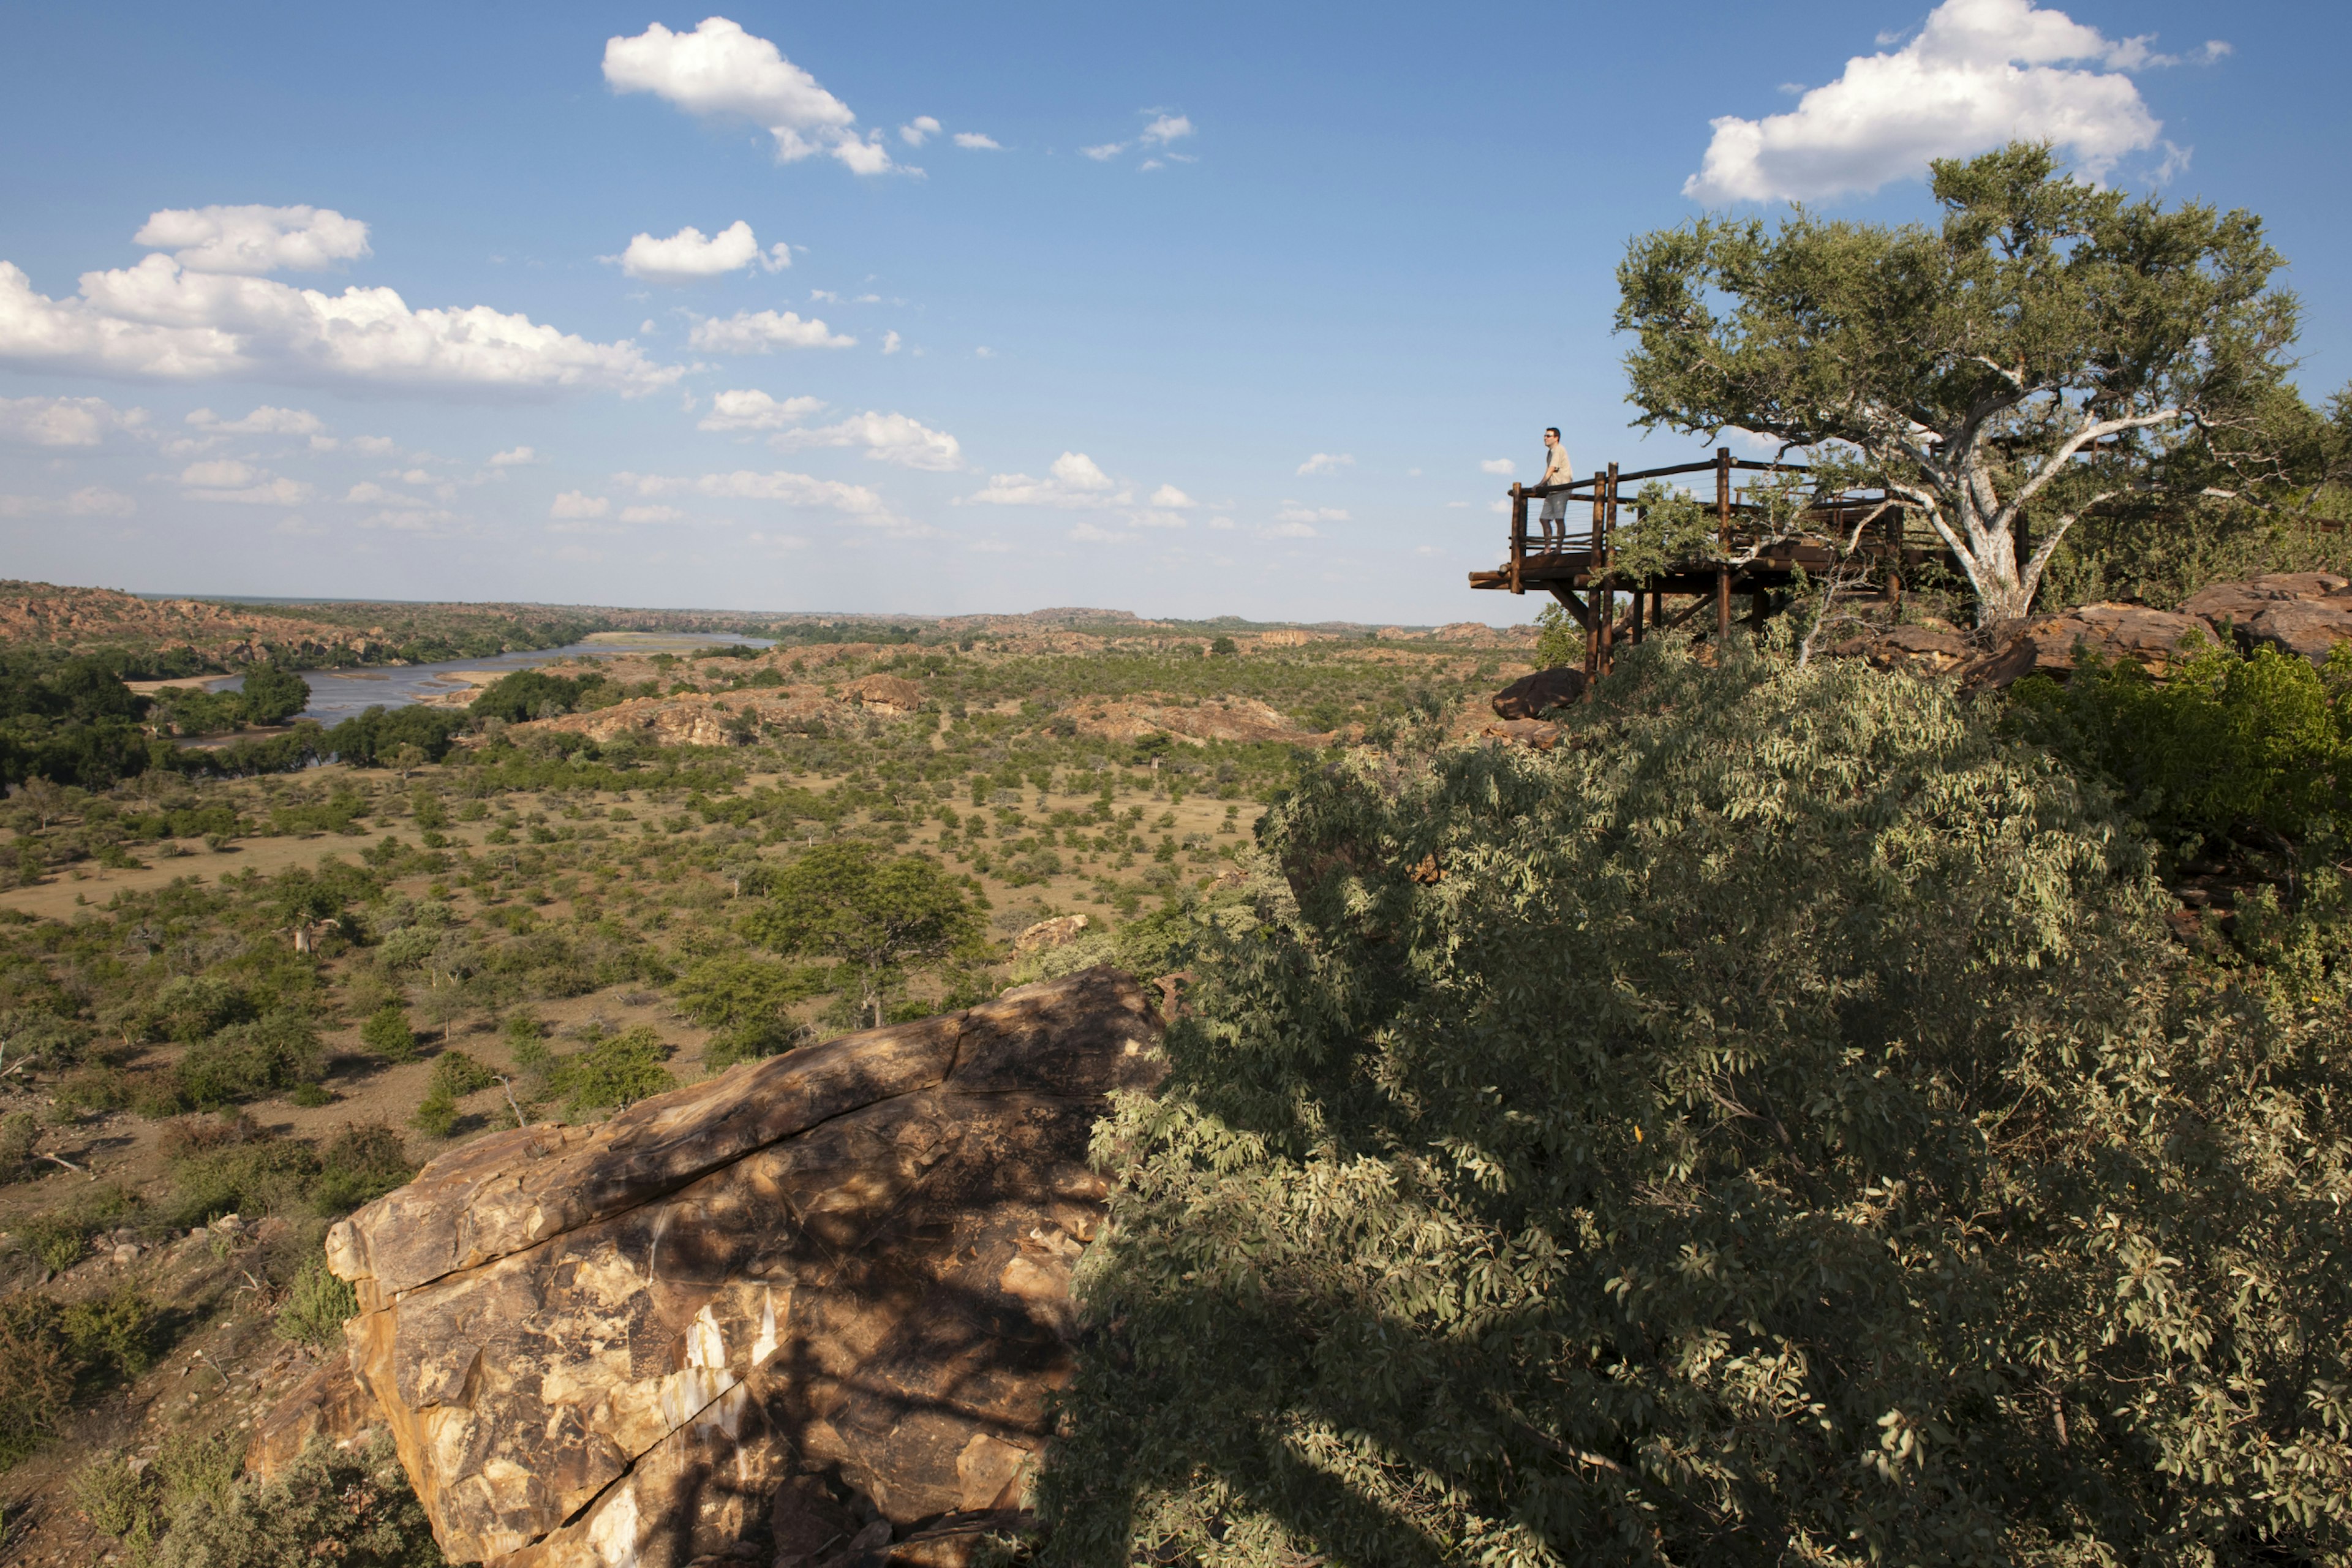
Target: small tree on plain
{"type": "Point", "coordinates": [879, 917]}
{"type": "Point", "coordinates": [2052, 349]}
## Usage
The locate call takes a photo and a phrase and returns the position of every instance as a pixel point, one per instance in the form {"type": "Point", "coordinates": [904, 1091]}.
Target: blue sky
{"type": "Point", "coordinates": [1259, 352]}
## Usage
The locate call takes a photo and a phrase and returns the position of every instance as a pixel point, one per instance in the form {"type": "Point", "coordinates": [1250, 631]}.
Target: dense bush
{"type": "Point", "coordinates": [247, 1061]}
{"type": "Point", "coordinates": [1773, 1126]}
{"type": "Point", "coordinates": [53, 1352]}
{"type": "Point", "coordinates": [316, 1305]}
{"type": "Point", "coordinates": [611, 1072]}
{"type": "Point", "coordinates": [743, 1002]}
{"type": "Point", "coordinates": [2253, 750]}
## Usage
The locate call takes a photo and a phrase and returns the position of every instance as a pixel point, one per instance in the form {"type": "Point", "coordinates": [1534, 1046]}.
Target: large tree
{"type": "Point", "coordinates": [2052, 348]}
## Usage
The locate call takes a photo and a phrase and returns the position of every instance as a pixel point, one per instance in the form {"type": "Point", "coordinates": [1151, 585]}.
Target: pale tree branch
{"type": "Point", "coordinates": [2091, 430]}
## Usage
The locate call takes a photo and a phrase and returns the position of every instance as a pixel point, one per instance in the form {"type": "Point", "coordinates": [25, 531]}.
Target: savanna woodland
{"type": "Point", "coordinates": [1802, 1110]}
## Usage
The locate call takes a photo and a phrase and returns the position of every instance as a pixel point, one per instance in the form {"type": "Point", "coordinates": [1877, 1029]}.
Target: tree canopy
{"type": "Point", "coordinates": [2052, 348]}
{"type": "Point", "coordinates": [1773, 1126]}
{"type": "Point", "coordinates": [875, 915]}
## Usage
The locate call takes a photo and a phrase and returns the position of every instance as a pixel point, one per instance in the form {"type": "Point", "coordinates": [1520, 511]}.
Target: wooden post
{"type": "Point", "coordinates": [1895, 556]}
{"type": "Point", "coordinates": [1723, 542]}
{"type": "Point", "coordinates": [1594, 542]}
{"type": "Point", "coordinates": [1638, 597]}
{"type": "Point", "coordinates": [1518, 534]}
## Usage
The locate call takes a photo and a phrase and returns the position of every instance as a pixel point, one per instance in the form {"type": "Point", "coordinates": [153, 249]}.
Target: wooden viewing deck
{"type": "Point", "coordinates": [1580, 566]}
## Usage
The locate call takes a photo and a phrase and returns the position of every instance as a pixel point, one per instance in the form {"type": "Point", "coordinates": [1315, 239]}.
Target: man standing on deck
{"type": "Point", "coordinates": [1556, 471]}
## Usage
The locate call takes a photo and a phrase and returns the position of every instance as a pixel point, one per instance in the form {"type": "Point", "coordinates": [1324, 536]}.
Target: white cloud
{"type": "Point", "coordinates": [978, 142]}
{"type": "Point", "coordinates": [1981, 73]}
{"type": "Point", "coordinates": [226, 479]}
{"type": "Point", "coordinates": [919, 129]}
{"type": "Point", "coordinates": [1168, 496]}
{"type": "Point", "coordinates": [890, 343]}
{"type": "Point", "coordinates": [1292, 512]}
{"type": "Point", "coordinates": [755, 410]}
{"type": "Point", "coordinates": [513, 456]}
{"type": "Point", "coordinates": [1326, 463]}
{"type": "Point", "coordinates": [1105, 153]}
{"type": "Point", "coordinates": [1221, 523]}
{"type": "Point", "coordinates": [1167, 128]}
{"type": "Point", "coordinates": [763, 332]}
{"type": "Point", "coordinates": [263, 421]}
{"type": "Point", "coordinates": [1499, 508]}
{"type": "Point", "coordinates": [63, 421]}
{"type": "Point", "coordinates": [782, 488]}
{"type": "Point", "coordinates": [1074, 480]}
{"type": "Point", "coordinates": [1502, 468]}
{"type": "Point", "coordinates": [720, 71]}
{"type": "Point", "coordinates": [574, 504]}
{"type": "Point", "coordinates": [251, 240]}
{"type": "Point", "coordinates": [410, 520]}
{"type": "Point", "coordinates": [301, 527]}
{"type": "Point", "coordinates": [90, 500]}
{"type": "Point", "coordinates": [220, 471]}
{"type": "Point", "coordinates": [651, 514]}
{"type": "Point", "coordinates": [890, 437]}
{"type": "Point", "coordinates": [162, 320]}
{"type": "Point", "coordinates": [1088, 532]}
{"type": "Point", "coordinates": [687, 256]}
{"type": "Point", "coordinates": [1294, 529]}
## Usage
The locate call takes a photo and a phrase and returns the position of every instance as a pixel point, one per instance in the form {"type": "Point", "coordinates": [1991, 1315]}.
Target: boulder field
{"type": "Point", "coordinates": [810, 1310]}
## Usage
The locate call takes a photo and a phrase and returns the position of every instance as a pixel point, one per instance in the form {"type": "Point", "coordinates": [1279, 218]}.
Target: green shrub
{"type": "Point", "coordinates": [59, 1242]}
{"type": "Point", "coordinates": [36, 1376]}
{"type": "Point", "coordinates": [232, 1166]}
{"type": "Point", "coordinates": [388, 1034]}
{"type": "Point", "coordinates": [193, 1007]}
{"type": "Point", "coordinates": [90, 1089]}
{"type": "Point", "coordinates": [1782, 1127]}
{"type": "Point", "coordinates": [247, 1061]}
{"type": "Point", "coordinates": [316, 1305]}
{"type": "Point", "coordinates": [743, 1001]}
{"type": "Point", "coordinates": [117, 1501]}
{"type": "Point", "coordinates": [354, 1510]}
{"type": "Point", "coordinates": [436, 1114]}
{"type": "Point", "coordinates": [460, 1074]}
{"type": "Point", "coordinates": [612, 1073]}
{"type": "Point", "coordinates": [360, 1163]}
{"type": "Point", "coordinates": [19, 1131]}
{"type": "Point", "coordinates": [2248, 750]}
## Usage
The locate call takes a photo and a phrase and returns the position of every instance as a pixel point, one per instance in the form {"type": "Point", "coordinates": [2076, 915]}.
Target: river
{"type": "Point", "coordinates": [337, 694]}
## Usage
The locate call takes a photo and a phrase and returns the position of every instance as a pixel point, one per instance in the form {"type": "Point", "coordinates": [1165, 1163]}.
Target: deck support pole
{"type": "Point", "coordinates": [1518, 535]}
{"type": "Point", "coordinates": [1723, 545]}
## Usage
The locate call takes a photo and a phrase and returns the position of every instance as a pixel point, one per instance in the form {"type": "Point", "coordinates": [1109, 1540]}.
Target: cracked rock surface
{"type": "Point", "coordinates": [843, 1272]}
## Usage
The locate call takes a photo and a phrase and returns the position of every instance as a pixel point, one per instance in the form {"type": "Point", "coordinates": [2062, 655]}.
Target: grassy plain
{"type": "Point", "coordinates": [542, 902]}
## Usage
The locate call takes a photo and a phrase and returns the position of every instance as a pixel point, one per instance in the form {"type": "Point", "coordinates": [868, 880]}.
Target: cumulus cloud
{"type": "Point", "coordinates": [165, 321]}
{"type": "Point", "coordinates": [249, 241]}
{"type": "Point", "coordinates": [1074, 480]}
{"type": "Point", "coordinates": [890, 343]}
{"type": "Point", "coordinates": [1295, 527]}
{"type": "Point", "coordinates": [1167, 128]}
{"type": "Point", "coordinates": [978, 142]}
{"type": "Point", "coordinates": [263, 421]}
{"type": "Point", "coordinates": [779, 486]}
{"type": "Point", "coordinates": [64, 421]}
{"type": "Point", "coordinates": [1169, 497]}
{"type": "Point", "coordinates": [1501, 468]}
{"type": "Point", "coordinates": [652, 514]}
{"type": "Point", "coordinates": [1981, 73]}
{"type": "Point", "coordinates": [90, 500]}
{"type": "Point", "coordinates": [226, 479]}
{"type": "Point", "coordinates": [755, 410]}
{"type": "Point", "coordinates": [1292, 513]}
{"type": "Point", "coordinates": [688, 257]}
{"type": "Point", "coordinates": [720, 71]}
{"type": "Point", "coordinates": [513, 456]}
{"type": "Point", "coordinates": [889, 437]}
{"type": "Point", "coordinates": [575, 504]}
{"type": "Point", "coordinates": [764, 331]}
{"type": "Point", "coordinates": [917, 131]}
{"type": "Point", "coordinates": [1326, 463]}
{"type": "Point", "coordinates": [1105, 153]}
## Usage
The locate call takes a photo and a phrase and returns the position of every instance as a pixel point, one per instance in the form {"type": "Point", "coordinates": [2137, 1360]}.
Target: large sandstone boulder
{"type": "Point", "coordinates": [831, 1281]}
{"type": "Point", "coordinates": [890, 693]}
{"type": "Point", "coordinates": [328, 1406]}
{"type": "Point", "coordinates": [1533, 696]}
{"type": "Point", "coordinates": [2156, 640]}
{"type": "Point", "coordinates": [1916, 649]}
{"type": "Point", "coordinates": [2301, 613]}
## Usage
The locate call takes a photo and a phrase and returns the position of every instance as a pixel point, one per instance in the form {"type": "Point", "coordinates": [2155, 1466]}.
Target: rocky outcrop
{"type": "Point", "coordinates": [328, 1406]}
{"type": "Point", "coordinates": [1050, 933]}
{"type": "Point", "coordinates": [834, 1279]}
{"type": "Point", "coordinates": [1535, 734]}
{"type": "Point", "coordinates": [890, 693]}
{"type": "Point", "coordinates": [1914, 649]}
{"type": "Point", "coordinates": [1222, 718]}
{"type": "Point", "coordinates": [1533, 696]}
{"type": "Point", "coordinates": [699, 719]}
{"type": "Point", "coordinates": [2303, 613]}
